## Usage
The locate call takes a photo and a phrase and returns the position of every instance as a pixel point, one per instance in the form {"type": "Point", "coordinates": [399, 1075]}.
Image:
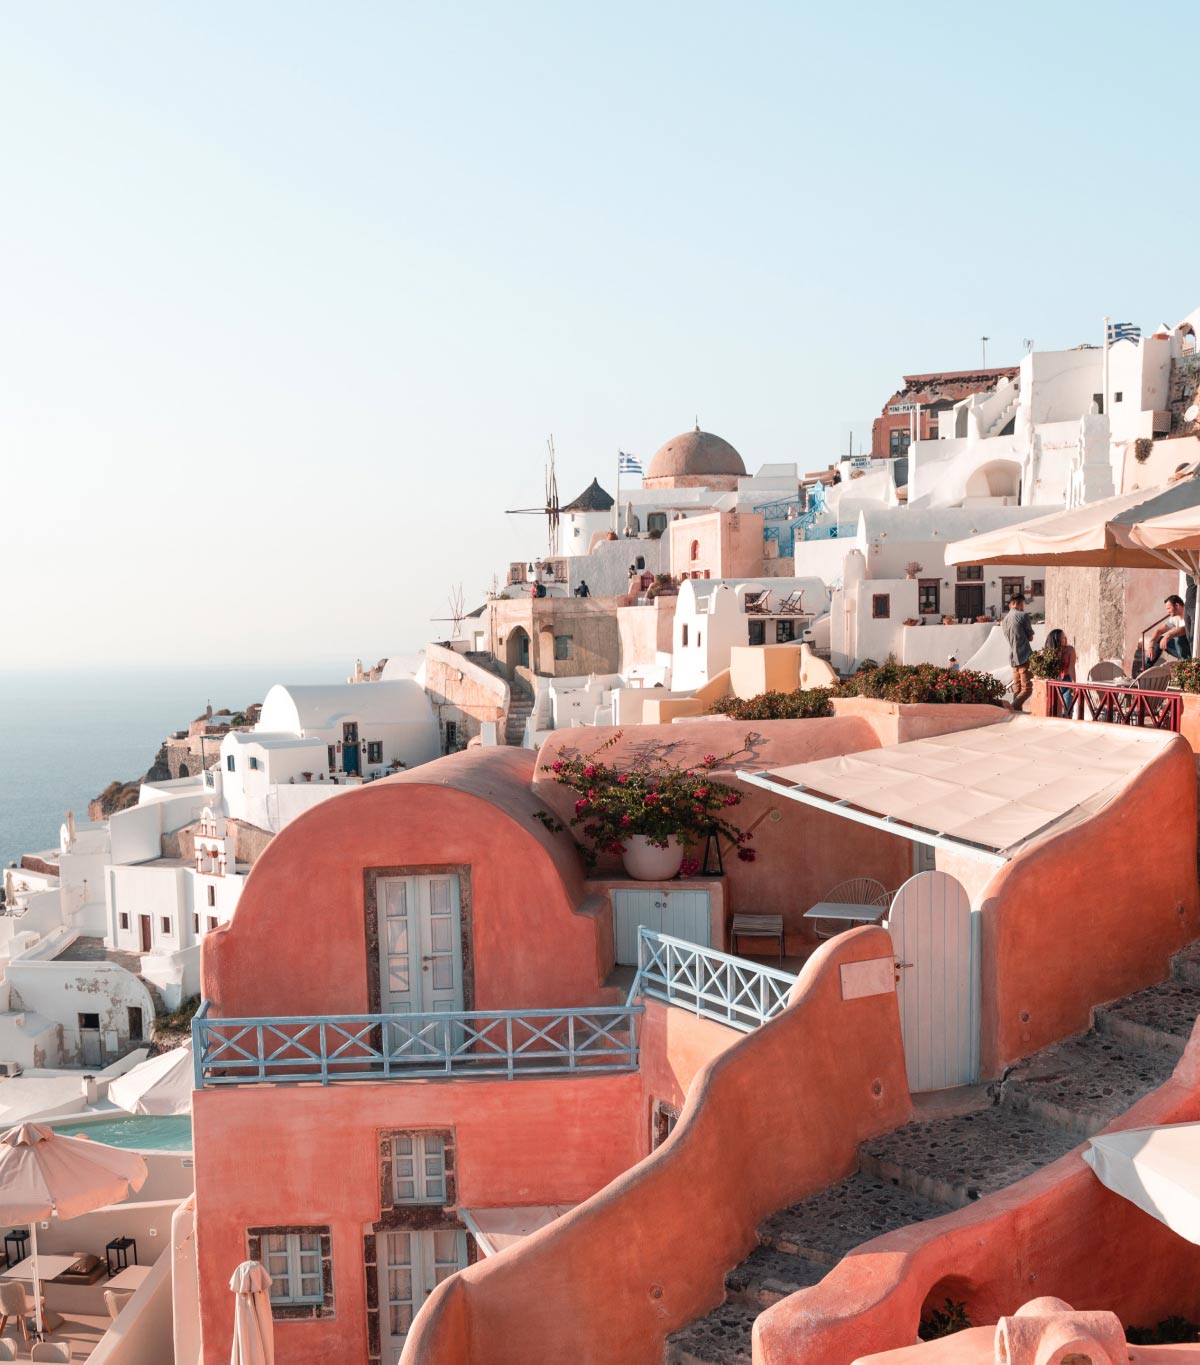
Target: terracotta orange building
{"type": "Point", "coordinates": [920, 402]}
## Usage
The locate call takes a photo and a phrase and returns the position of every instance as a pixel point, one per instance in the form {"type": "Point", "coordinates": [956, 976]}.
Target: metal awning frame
{"type": "Point", "coordinates": [888, 823]}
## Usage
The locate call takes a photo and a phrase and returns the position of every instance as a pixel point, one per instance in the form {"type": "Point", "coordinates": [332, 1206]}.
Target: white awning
{"type": "Point", "coordinates": [495, 1229]}
{"type": "Point", "coordinates": [1158, 1169]}
{"type": "Point", "coordinates": [983, 792]}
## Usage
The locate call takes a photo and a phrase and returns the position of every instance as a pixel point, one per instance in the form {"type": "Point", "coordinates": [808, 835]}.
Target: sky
{"type": "Point", "coordinates": [292, 294]}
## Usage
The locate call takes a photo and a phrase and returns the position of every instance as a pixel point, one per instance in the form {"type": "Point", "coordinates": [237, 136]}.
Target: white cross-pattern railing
{"type": "Point", "coordinates": [715, 985]}
{"type": "Point", "coordinates": [363, 1047]}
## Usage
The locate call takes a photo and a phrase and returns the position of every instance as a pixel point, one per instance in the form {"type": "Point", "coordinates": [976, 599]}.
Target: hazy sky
{"type": "Point", "coordinates": [293, 293]}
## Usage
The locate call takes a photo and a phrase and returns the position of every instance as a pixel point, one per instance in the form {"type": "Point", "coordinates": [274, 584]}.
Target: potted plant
{"type": "Point", "coordinates": [911, 621]}
{"type": "Point", "coordinates": [648, 810]}
{"type": "Point", "coordinates": [948, 620]}
{"type": "Point", "coordinates": [912, 569]}
{"type": "Point", "coordinates": [307, 776]}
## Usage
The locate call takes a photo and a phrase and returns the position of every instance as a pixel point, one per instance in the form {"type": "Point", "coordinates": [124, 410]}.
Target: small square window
{"type": "Point", "coordinates": [124, 919]}
{"type": "Point", "coordinates": [374, 751]}
{"type": "Point", "coordinates": [683, 637]}
{"type": "Point", "coordinates": [929, 597]}
{"type": "Point", "coordinates": [253, 762]}
{"type": "Point", "coordinates": [195, 922]}
{"type": "Point", "coordinates": [212, 922]}
{"type": "Point", "coordinates": [881, 606]}
{"type": "Point", "coordinates": [1037, 587]}
{"type": "Point", "coordinates": [230, 763]}
{"type": "Point", "coordinates": [785, 632]}
{"type": "Point", "coordinates": [970, 573]}
{"type": "Point", "coordinates": [1119, 396]}
{"type": "Point", "coordinates": [562, 646]}
{"type": "Point", "coordinates": [419, 1168]}
{"type": "Point", "coordinates": [299, 1261]}
{"type": "Point", "coordinates": [212, 895]}
{"type": "Point", "coordinates": [166, 924]}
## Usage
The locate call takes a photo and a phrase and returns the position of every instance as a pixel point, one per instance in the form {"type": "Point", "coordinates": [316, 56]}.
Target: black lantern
{"type": "Point", "coordinates": [712, 864]}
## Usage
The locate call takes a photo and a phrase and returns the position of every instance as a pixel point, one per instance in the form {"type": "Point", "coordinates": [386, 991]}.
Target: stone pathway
{"type": "Point", "coordinates": [1044, 1108]}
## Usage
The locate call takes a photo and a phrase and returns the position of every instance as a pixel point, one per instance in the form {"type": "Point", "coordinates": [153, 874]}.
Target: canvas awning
{"type": "Point", "coordinates": [1158, 1169]}
{"type": "Point", "coordinates": [983, 792]}
{"type": "Point", "coordinates": [1103, 534]}
{"type": "Point", "coordinates": [495, 1229]}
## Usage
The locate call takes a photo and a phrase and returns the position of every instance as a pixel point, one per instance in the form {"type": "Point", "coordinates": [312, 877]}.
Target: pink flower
{"type": "Point", "coordinates": [557, 765]}
{"type": "Point", "coordinates": [709, 760]}
{"type": "Point", "coordinates": [623, 778]}
{"type": "Point", "coordinates": [689, 867]}
{"type": "Point", "coordinates": [627, 819]}
{"type": "Point", "coordinates": [590, 770]}
{"type": "Point", "coordinates": [701, 792]}
{"type": "Point", "coordinates": [580, 806]}
{"type": "Point", "coordinates": [746, 855]}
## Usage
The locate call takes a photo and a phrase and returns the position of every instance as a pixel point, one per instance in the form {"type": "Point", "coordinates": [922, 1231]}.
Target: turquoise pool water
{"type": "Point", "coordinates": [173, 1134]}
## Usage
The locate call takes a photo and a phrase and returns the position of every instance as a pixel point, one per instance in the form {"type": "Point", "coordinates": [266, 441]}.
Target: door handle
{"type": "Point", "coordinates": [429, 957]}
{"type": "Point", "coordinates": [902, 965]}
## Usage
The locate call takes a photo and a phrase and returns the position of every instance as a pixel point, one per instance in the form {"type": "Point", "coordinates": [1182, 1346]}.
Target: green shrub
{"type": "Point", "coordinates": [802, 704]}
{"type": "Point", "coordinates": [944, 1322]}
{"type": "Point", "coordinates": [911, 683]}
{"type": "Point", "coordinates": [1046, 662]}
{"type": "Point", "coordinates": [1169, 1332]}
{"type": "Point", "coordinates": [1186, 675]}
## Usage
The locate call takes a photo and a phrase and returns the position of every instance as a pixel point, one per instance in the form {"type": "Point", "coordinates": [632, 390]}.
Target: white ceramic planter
{"type": "Point", "coordinates": [646, 862]}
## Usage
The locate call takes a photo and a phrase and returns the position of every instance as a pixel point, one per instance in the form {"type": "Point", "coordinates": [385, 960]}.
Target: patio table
{"type": "Point", "coordinates": [846, 916]}
{"type": "Point", "coordinates": [129, 1278]}
{"type": "Point", "coordinates": [48, 1267]}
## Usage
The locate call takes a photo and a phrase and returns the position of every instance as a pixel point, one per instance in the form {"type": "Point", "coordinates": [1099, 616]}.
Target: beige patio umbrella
{"type": "Point", "coordinates": [160, 1085]}
{"type": "Point", "coordinates": [253, 1332]}
{"type": "Point", "coordinates": [1109, 533]}
{"type": "Point", "coordinates": [1158, 1169]}
{"type": "Point", "coordinates": [44, 1174]}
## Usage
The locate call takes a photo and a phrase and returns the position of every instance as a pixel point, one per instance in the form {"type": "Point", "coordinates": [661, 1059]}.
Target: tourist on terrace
{"type": "Point", "coordinates": [583, 590]}
{"type": "Point", "coordinates": [952, 666]}
{"type": "Point", "coordinates": [1018, 631]}
{"type": "Point", "coordinates": [1056, 642]}
{"type": "Point", "coordinates": [1170, 636]}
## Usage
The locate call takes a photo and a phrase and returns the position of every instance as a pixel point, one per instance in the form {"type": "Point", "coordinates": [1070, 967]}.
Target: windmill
{"type": "Point", "coordinates": [458, 610]}
{"type": "Point", "coordinates": [551, 508]}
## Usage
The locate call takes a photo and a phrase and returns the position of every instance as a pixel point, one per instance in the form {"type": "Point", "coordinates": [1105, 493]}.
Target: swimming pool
{"type": "Point", "coordinates": [141, 1131]}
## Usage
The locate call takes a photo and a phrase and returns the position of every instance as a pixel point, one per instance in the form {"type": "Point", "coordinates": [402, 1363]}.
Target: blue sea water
{"type": "Point", "coordinates": [65, 736]}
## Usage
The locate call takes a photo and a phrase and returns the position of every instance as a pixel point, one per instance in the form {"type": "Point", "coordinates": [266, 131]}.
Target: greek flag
{"type": "Point", "coordinates": [628, 464]}
{"type": "Point", "coordinates": [1123, 331]}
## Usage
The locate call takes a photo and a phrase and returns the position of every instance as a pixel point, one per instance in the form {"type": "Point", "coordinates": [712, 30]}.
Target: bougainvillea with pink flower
{"type": "Point", "coordinates": [648, 795]}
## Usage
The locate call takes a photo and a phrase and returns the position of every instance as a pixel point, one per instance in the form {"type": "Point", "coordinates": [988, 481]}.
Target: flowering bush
{"type": "Point", "coordinates": [802, 704]}
{"type": "Point", "coordinates": [649, 796]}
{"type": "Point", "coordinates": [1185, 675]}
{"type": "Point", "coordinates": [1046, 662]}
{"type": "Point", "coordinates": [922, 683]}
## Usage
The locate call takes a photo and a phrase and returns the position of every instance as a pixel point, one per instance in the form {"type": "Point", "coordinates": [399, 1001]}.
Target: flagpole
{"type": "Point", "coordinates": [617, 504]}
{"type": "Point", "coordinates": [1104, 384]}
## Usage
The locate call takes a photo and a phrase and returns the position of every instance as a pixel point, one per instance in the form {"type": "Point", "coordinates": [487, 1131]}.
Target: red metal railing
{"type": "Point", "coordinates": [1115, 705]}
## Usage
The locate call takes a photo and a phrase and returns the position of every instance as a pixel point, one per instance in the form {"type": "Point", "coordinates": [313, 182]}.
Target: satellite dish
{"type": "Point", "coordinates": [1192, 413]}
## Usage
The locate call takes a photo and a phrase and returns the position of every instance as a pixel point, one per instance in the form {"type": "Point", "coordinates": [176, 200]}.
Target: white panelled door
{"type": "Point", "coordinates": [936, 939]}
{"type": "Point", "coordinates": [682, 914]}
{"type": "Point", "coordinates": [420, 944]}
{"type": "Point", "coordinates": [411, 1266]}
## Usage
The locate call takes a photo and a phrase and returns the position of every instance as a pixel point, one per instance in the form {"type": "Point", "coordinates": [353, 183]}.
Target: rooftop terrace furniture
{"type": "Point", "coordinates": [87, 1269]}
{"type": "Point", "coordinates": [1107, 671]}
{"type": "Point", "coordinates": [14, 1304]}
{"type": "Point", "coordinates": [115, 1300]}
{"type": "Point", "coordinates": [792, 604]}
{"type": "Point", "coordinates": [850, 902]}
{"type": "Point", "coordinates": [757, 602]}
{"type": "Point", "coordinates": [8, 1348]}
{"type": "Point", "coordinates": [756, 926]}
{"type": "Point", "coordinates": [56, 1351]}
{"type": "Point", "coordinates": [1157, 677]}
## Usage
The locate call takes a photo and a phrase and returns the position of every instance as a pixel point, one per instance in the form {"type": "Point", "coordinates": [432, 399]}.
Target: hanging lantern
{"type": "Point", "coordinates": [713, 864]}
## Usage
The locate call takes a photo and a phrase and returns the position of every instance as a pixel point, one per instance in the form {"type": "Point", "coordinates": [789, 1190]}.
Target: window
{"type": "Point", "coordinates": [299, 1261]}
{"type": "Point", "coordinates": [419, 1168]}
{"type": "Point", "coordinates": [929, 597]}
{"type": "Point", "coordinates": [1037, 587]}
{"type": "Point", "coordinates": [785, 632]}
{"type": "Point", "coordinates": [230, 763]}
{"type": "Point", "coordinates": [1118, 397]}
{"type": "Point", "coordinates": [89, 1021]}
{"type": "Point", "coordinates": [212, 921]}
{"type": "Point", "coordinates": [350, 732]}
{"type": "Point", "coordinates": [212, 895]}
{"type": "Point", "coordinates": [683, 638]}
{"type": "Point", "coordinates": [1098, 399]}
{"type": "Point", "coordinates": [135, 1023]}
{"type": "Point", "coordinates": [695, 550]}
{"type": "Point", "coordinates": [253, 763]}
{"type": "Point", "coordinates": [881, 606]}
{"type": "Point", "coordinates": [374, 751]}
{"type": "Point", "coordinates": [640, 562]}
{"type": "Point", "coordinates": [451, 736]}
{"type": "Point", "coordinates": [562, 646]}
{"type": "Point", "coordinates": [970, 573]}
{"type": "Point", "coordinates": [124, 919]}
{"type": "Point", "coordinates": [898, 442]}
{"type": "Point", "coordinates": [166, 924]}
{"type": "Point", "coordinates": [1011, 587]}
{"type": "Point", "coordinates": [758, 632]}
{"type": "Point", "coordinates": [698, 639]}
{"type": "Point", "coordinates": [195, 921]}
{"type": "Point", "coordinates": [662, 1124]}
{"type": "Point", "coordinates": [656, 521]}
{"type": "Point", "coordinates": [332, 758]}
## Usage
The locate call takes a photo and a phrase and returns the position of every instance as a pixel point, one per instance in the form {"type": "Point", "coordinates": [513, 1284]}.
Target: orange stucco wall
{"type": "Point", "coordinates": [297, 942]}
{"type": "Point", "coordinates": [1057, 1232]}
{"type": "Point", "coordinates": [1091, 914]}
{"type": "Point", "coordinates": [799, 856]}
{"type": "Point", "coordinates": [774, 1117]}
{"type": "Point", "coordinates": [308, 1155]}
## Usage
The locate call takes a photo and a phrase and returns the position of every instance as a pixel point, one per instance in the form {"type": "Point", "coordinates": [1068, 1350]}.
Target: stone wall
{"type": "Point", "coordinates": [463, 693]}
{"type": "Point", "coordinates": [1104, 611]}
{"type": "Point", "coordinates": [181, 754]}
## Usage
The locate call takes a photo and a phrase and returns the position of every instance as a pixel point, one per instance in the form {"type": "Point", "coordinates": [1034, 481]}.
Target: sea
{"type": "Point", "coordinates": [64, 736]}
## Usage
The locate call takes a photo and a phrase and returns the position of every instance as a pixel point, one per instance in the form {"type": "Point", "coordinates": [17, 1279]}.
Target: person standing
{"type": "Point", "coordinates": [583, 590]}
{"type": "Point", "coordinates": [1018, 631]}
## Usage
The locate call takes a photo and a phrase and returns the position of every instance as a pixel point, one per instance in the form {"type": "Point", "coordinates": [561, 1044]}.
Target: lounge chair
{"type": "Point", "coordinates": [792, 604]}
{"type": "Point", "coordinates": [1155, 678]}
{"type": "Point", "coordinates": [757, 602]}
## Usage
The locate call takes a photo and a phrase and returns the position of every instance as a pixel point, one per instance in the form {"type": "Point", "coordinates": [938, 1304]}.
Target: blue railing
{"type": "Point", "coordinates": [509, 1043]}
{"type": "Point", "coordinates": [713, 985]}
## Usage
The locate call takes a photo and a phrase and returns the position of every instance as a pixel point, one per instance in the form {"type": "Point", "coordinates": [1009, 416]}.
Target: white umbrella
{"type": "Point", "coordinates": [253, 1332]}
{"type": "Point", "coordinates": [43, 1173]}
{"type": "Point", "coordinates": [1158, 1169]}
{"type": "Point", "coordinates": [160, 1085]}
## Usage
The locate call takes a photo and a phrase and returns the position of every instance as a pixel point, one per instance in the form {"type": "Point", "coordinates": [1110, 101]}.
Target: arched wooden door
{"type": "Point", "coordinates": [936, 940]}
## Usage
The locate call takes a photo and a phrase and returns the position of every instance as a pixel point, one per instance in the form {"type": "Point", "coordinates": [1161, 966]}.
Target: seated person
{"type": "Point", "coordinates": [1170, 636]}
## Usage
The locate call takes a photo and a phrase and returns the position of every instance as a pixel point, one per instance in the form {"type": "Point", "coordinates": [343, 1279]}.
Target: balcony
{"type": "Point", "coordinates": [1115, 705]}
{"type": "Point", "coordinates": [509, 1044]}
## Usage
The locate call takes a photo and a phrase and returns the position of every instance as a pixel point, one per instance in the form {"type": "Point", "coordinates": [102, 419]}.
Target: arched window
{"type": "Point", "coordinates": [695, 550]}
{"type": "Point", "coordinates": [1187, 339]}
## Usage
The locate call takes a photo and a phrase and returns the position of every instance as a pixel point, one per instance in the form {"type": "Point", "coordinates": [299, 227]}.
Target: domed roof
{"type": "Point", "coordinates": [696, 453]}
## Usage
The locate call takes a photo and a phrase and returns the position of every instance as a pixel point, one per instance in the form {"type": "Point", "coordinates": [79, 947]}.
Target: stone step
{"type": "Point", "coordinates": [954, 1161]}
{"type": "Point", "coordinates": [824, 1227]}
{"type": "Point", "coordinates": [722, 1338]}
{"type": "Point", "coordinates": [1185, 966]}
{"type": "Point", "coordinates": [1160, 1017]}
{"type": "Point", "coordinates": [1083, 1083]}
{"type": "Point", "coordinates": [767, 1275]}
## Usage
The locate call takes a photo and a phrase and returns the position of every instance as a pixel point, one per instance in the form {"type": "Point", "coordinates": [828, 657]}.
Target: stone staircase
{"type": "Point", "coordinates": [1043, 1108]}
{"type": "Point", "coordinates": [520, 697]}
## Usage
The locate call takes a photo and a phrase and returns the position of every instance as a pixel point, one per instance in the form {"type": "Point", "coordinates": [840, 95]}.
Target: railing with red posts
{"type": "Point", "coordinates": [1115, 705]}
